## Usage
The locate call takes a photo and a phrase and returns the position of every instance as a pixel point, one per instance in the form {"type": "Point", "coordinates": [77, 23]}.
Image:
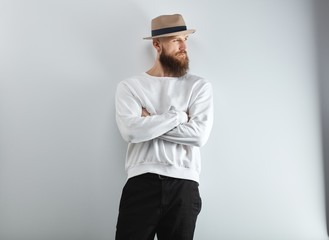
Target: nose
{"type": "Point", "coordinates": [182, 45]}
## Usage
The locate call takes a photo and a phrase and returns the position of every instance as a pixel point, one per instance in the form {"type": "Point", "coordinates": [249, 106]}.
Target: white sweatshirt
{"type": "Point", "coordinates": [168, 141]}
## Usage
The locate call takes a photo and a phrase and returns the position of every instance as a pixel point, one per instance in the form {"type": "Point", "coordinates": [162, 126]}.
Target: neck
{"type": "Point", "coordinates": [158, 71]}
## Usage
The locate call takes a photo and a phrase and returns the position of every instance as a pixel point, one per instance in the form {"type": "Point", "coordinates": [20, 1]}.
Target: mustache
{"type": "Point", "coordinates": [181, 52]}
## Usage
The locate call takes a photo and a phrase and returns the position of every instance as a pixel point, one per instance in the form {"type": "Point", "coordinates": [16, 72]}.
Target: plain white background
{"type": "Point", "coordinates": [61, 155]}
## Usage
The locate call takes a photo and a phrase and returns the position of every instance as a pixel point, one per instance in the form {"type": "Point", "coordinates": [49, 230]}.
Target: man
{"type": "Point", "coordinates": [165, 115]}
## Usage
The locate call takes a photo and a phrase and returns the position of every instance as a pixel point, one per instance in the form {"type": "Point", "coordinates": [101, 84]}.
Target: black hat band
{"type": "Point", "coordinates": [162, 31]}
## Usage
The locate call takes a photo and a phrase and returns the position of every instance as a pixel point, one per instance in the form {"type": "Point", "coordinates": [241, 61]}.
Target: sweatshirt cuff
{"type": "Point", "coordinates": [182, 117]}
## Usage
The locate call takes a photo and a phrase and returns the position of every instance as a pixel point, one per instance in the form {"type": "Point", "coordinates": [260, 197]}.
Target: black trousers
{"type": "Point", "coordinates": [154, 204]}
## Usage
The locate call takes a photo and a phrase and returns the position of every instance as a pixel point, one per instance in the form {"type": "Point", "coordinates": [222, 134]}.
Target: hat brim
{"type": "Point", "coordinates": [185, 32]}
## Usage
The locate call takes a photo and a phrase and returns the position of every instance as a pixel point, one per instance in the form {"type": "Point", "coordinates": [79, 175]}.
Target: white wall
{"type": "Point", "coordinates": [61, 155]}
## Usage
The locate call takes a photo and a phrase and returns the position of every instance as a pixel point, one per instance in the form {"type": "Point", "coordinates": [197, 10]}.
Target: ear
{"type": "Point", "coordinates": [157, 45]}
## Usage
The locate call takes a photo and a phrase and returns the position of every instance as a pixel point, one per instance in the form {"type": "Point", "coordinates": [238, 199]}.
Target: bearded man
{"type": "Point", "coordinates": [165, 115]}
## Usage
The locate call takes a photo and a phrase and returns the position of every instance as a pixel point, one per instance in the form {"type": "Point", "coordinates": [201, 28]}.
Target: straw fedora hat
{"type": "Point", "coordinates": [168, 25]}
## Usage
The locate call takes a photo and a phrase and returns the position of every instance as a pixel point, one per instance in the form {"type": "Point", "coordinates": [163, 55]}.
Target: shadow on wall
{"type": "Point", "coordinates": [321, 9]}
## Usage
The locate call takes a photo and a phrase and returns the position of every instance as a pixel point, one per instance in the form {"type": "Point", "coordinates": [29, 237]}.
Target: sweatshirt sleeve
{"type": "Point", "coordinates": [133, 127]}
{"type": "Point", "coordinates": [196, 131]}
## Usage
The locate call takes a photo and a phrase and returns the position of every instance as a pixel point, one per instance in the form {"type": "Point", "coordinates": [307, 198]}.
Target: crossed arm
{"type": "Point", "coordinates": [137, 124]}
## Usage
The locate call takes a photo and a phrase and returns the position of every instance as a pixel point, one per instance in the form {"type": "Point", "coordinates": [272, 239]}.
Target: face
{"type": "Point", "coordinates": [175, 46]}
{"type": "Point", "coordinates": [173, 55]}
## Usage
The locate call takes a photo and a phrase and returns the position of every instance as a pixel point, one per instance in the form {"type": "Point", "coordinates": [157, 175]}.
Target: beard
{"type": "Point", "coordinates": [174, 65]}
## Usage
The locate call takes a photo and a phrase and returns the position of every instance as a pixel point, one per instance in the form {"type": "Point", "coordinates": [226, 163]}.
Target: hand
{"type": "Point", "coordinates": [145, 113]}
